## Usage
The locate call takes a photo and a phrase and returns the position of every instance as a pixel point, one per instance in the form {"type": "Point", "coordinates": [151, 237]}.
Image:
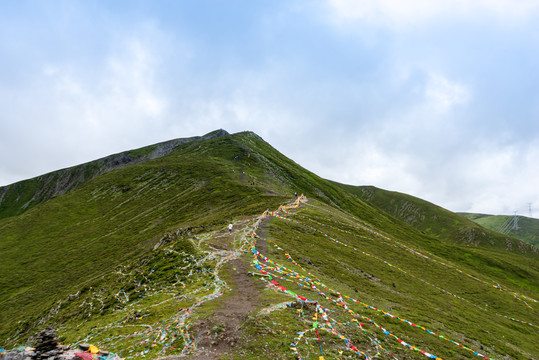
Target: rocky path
{"type": "Point", "coordinates": [222, 332]}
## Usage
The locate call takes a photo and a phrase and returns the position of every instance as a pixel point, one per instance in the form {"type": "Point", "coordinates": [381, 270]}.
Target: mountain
{"type": "Point", "coordinates": [438, 222]}
{"type": "Point", "coordinates": [527, 228]}
{"type": "Point", "coordinates": [23, 195]}
{"type": "Point", "coordinates": [139, 260]}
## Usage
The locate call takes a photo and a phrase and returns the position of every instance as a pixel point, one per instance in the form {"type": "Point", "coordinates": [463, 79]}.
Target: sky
{"type": "Point", "coordinates": [436, 99]}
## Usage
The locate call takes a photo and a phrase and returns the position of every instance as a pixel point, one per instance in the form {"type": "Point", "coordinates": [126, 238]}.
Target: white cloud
{"type": "Point", "coordinates": [484, 177]}
{"type": "Point", "coordinates": [399, 14]}
{"type": "Point", "coordinates": [133, 81]}
{"type": "Point", "coordinates": [74, 115]}
{"type": "Point", "coordinates": [123, 98]}
{"type": "Point", "coordinates": [400, 112]}
{"type": "Point", "coordinates": [501, 178]}
{"type": "Point", "coordinates": [126, 102]}
{"type": "Point", "coordinates": [428, 113]}
{"type": "Point", "coordinates": [442, 94]}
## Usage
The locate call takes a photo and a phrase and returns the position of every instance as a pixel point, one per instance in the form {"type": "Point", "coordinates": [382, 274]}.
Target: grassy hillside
{"type": "Point", "coordinates": [74, 238]}
{"type": "Point", "coordinates": [436, 221]}
{"type": "Point", "coordinates": [139, 261]}
{"type": "Point", "coordinates": [381, 275]}
{"type": "Point", "coordinates": [528, 228]}
{"type": "Point", "coordinates": [23, 195]}
{"type": "Point", "coordinates": [71, 239]}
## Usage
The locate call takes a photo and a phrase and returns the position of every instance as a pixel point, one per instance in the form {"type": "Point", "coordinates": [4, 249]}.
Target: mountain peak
{"type": "Point", "coordinates": [216, 133]}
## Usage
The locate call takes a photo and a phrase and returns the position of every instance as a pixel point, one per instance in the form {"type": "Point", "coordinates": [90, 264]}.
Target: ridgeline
{"type": "Point", "coordinates": [135, 255]}
{"type": "Point", "coordinates": [526, 229]}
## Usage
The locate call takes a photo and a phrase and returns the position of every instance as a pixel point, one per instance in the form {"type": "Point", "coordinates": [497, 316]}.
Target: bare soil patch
{"type": "Point", "coordinates": [262, 232]}
{"type": "Point", "coordinates": [222, 333]}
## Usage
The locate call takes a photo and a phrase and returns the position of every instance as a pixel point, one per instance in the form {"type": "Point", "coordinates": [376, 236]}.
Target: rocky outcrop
{"type": "Point", "coordinates": [407, 211]}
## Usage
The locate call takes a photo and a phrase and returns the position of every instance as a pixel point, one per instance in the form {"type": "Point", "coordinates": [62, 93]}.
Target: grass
{"type": "Point", "coordinates": [141, 309]}
{"type": "Point", "coordinates": [71, 240]}
{"type": "Point", "coordinates": [437, 222]}
{"type": "Point", "coordinates": [369, 280]}
{"type": "Point", "coordinates": [17, 198]}
{"type": "Point", "coordinates": [94, 246]}
{"type": "Point", "coordinates": [528, 228]}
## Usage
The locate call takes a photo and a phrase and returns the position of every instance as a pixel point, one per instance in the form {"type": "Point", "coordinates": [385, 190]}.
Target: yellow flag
{"type": "Point", "coordinates": [93, 349]}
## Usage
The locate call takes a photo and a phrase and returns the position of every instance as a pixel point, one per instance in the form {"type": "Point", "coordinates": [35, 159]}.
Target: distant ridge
{"type": "Point", "coordinates": [440, 223]}
{"type": "Point", "coordinates": [18, 197]}
{"type": "Point", "coordinates": [528, 228]}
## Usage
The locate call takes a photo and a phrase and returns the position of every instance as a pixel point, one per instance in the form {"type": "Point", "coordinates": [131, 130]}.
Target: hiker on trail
{"type": "Point", "coordinates": [295, 194]}
{"type": "Point", "coordinates": [229, 227]}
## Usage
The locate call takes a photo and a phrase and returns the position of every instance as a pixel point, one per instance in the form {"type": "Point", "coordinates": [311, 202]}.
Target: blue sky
{"type": "Point", "coordinates": [437, 99]}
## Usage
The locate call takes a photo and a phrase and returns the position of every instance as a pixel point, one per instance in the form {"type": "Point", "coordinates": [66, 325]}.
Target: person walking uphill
{"type": "Point", "coordinates": [229, 227]}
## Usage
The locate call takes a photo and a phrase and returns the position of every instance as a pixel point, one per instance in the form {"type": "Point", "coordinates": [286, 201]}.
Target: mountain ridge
{"type": "Point", "coordinates": [140, 261]}
{"type": "Point", "coordinates": [436, 221]}
{"type": "Point", "coordinates": [18, 197]}
{"type": "Point", "coordinates": [527, 227]}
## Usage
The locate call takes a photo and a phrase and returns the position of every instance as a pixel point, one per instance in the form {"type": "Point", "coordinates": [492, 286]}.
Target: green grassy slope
{"type": "Point", "coordinates": [436, 221]}
{"type": "Point", "coordinates": [87, 263]}
{"type": "Point", "coordinates": [23, 195]}
{"type": "Point", "coordinates": [71, 239]}
{"type": "Point", "coordinates": [383, 273]}
{"type": "Point", "coordinates": [63, 243]}
{"type": "Point", "coordinates": [528, 228]}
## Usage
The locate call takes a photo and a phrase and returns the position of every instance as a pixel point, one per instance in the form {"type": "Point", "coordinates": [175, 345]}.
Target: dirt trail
{"type": "Point", "coordinates": [222, 332]}
{"type": "Point", "coordinates": [262, 242]}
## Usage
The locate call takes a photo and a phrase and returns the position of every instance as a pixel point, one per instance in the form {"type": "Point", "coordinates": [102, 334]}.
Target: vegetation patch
{"type": "Point", "coordinates": [140, 261]}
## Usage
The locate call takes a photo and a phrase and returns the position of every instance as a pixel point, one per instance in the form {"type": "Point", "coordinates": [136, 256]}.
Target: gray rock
{"type": "Point", "coordinates": [15, 355]}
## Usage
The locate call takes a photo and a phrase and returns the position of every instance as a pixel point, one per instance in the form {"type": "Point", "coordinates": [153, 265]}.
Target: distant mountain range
{"type": "Point", "coordinates": [219, 246]}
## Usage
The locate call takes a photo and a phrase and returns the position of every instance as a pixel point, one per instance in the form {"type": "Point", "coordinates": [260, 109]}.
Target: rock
{"type": "Point", "coordinates": [47, 344]}
{"type": "Point", "coordinates": [68, 355]}
{"type": "Point", "coordinates": [48, 348]}
{"type": "Point", "coordinates": [15, 355]}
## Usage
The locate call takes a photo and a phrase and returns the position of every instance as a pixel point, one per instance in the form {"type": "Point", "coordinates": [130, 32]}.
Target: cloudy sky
{"type": "Point", "coordinates": [437, 99]}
